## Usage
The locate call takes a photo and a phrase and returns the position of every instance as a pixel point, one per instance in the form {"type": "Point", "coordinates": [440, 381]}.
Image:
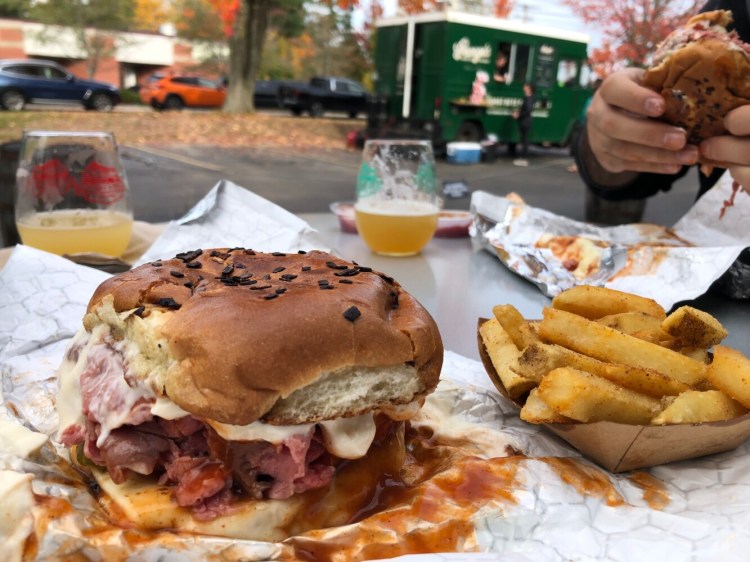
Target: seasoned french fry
{"type": "Point", "coordinates": [730, 372]}
{"type": "Point", "coordinates": [597, 302]}
{"type": "Point", "coordinates": [513, 323]}
{"type": "Point", "coordinates": [587, 398]}
{"type": "Point", "coordinates": [539, 359]}
{"type": "Point", "coordinates": [603, 343]}
{"type": "Point", "coordinates": [695, 406]}
{"type": "Point", "coordinates": [697, 353]}
{"type": "Point", "coordinates": [637, 324]}
{"type": "Point", "coordinates": [529, 333]}
{"type": "Point", "coordinates": [503, 353]}
{"type": "Point", "coordinates": [644, 381]}
{"type": "Point", "coordinates": [536, 410]}
{"type": "Point", "coordinates": [694, 328]}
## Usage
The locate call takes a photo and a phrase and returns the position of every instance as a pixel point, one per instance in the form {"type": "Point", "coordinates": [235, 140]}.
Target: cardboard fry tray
{"type": "Point", "coordinates": [620, 447]}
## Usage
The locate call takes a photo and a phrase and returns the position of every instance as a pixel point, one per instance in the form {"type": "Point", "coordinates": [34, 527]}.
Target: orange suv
{"type": "Point", "coordinates": [176, 92]}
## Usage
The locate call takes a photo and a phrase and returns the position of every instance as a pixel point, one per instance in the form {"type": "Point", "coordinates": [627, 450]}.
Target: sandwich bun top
{"type": "Point", "coordinates": [702, 72]}
{"type": "Point", "coordinates": [237, 336]}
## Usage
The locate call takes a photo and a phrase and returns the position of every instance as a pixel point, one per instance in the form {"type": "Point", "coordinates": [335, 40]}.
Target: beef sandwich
{"type": "Point", "coordinates": [218, 391]}
{"type": "Point", "coordinates": [702, 71]}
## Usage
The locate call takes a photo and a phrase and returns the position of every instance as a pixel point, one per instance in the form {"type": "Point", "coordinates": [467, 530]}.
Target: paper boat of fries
{"type": "Point", "coordinates": [620, 447]}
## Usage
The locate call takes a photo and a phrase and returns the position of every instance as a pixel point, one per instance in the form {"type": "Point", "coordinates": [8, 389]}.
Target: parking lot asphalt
{"type": "Point", "coordinates": [167, 181]}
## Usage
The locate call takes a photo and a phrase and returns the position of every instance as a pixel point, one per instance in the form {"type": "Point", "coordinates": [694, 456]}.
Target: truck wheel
{"type": "Point", "coordinates": [352, 115]}
{"type": "Point", "coordinates": [316, 109]}
{"type": "Point", "coordinates": [470, 131]}
{"type": "Point", "coordinates": [296, 112]}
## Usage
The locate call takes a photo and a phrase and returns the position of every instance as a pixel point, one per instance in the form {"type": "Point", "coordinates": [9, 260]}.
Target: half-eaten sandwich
{"type": "Point", "coordinates": [703, 72]}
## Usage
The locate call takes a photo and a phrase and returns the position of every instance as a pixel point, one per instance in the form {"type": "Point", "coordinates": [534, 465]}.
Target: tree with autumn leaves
{"type": "Point", "coordinates": [247, 39]}
{"type": "Point", "coordinates": [630, 29]}
{"type": "Point", "coordinates": [317, 36]}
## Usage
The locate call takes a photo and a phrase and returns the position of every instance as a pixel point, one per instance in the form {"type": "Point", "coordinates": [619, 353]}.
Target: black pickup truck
{"type": "Point", "coordinates": [325, 93]}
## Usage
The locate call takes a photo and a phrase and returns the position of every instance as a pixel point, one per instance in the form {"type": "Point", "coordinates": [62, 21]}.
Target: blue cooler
{"type": "Point", "coordinates": [463, 152]}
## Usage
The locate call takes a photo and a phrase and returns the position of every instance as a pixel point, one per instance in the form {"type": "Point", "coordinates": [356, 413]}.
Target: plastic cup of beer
{"type": "Point", "coordinates": [397, 203]}
{"type": "Point", "coordinates": [72, 196]}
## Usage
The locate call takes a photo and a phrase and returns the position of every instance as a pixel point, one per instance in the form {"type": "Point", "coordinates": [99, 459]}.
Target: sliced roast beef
{"type": "Point", "coordinates": [278, 471]}
{"type": "Point", "coordinates": [121, 434]}
{"type": "Point", "coordinates": [129, 449]}
{"type": "Point", "coordinates": [201, 482]}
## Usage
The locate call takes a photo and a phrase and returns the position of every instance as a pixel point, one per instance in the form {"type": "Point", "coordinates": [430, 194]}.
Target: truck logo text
{"type": "Point", "coordinates": [465, 52]}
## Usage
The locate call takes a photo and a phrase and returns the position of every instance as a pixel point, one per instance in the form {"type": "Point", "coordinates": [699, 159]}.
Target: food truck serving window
{"type": "Point", "coordinates": [502, 63]}
{"type": "Point", "coordinates": [511, 63]}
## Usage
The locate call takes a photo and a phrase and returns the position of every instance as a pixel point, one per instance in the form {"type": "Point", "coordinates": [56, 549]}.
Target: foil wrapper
{"type": "Point", "coordinates": [706, 248]}
{"type": "Point", "coordinates": [502, 489]}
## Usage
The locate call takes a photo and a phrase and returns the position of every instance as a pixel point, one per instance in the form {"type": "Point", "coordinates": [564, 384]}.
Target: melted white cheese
{"type": "Point", "coordinates": [259, 431]}
{"type": "Point", "coordinates": [69, 401]}
{"type": "Point", "coordinates": [348, 438]}
{"type": "Point", "coordinates": [168, 410]}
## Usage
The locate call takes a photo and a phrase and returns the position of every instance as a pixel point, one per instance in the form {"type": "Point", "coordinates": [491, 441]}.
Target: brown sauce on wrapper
{"type": "Point", "coordinates": [655, 493]}
{"type": "Point", "coordinates": [587, 480]}
{"type": "Point", "coordinates": [645, 258]}
{"type": "Point", "coordinates": [642, 260]}
{"type": "Point", "coordinates": [427, 507]}
{"type": "Point", "coordinates": [591, 481]}
{"type": "Point", "coordinates": [415, 492]}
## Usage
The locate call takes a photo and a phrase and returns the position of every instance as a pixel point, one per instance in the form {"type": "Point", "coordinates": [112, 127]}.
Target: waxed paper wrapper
{"type": "Point", "coordinates": [620, 447]}
{"type": "Point", "coordinates": [666, 264]}
{"type": "Point", "coordinates": [541, 517]}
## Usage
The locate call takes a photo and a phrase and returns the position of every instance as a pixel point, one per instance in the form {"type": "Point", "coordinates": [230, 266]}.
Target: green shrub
{"type": "Point", "coordinates": [129, 96]}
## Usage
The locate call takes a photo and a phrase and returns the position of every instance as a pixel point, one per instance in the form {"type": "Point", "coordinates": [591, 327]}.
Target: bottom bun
{"type": "Point", "coordinates": [142, 503]}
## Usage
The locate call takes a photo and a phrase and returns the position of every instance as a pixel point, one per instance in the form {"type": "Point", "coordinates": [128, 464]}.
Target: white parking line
{"type": "Point", "coordinates": [178, 158]}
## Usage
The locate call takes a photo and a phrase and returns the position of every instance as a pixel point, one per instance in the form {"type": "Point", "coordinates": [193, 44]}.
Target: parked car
{"type": "Point", "coordinates": [42, 81]}
{"type": "Point", "coordinates": [325, 93]}
{"type": "Point", "coordinates": [268, 92]}
{"type": "Point", "coordinates": [178, 91]}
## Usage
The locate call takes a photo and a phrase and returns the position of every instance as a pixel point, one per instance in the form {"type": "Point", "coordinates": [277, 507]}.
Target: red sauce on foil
{"type": "Point", "coordinates": [415, 493]}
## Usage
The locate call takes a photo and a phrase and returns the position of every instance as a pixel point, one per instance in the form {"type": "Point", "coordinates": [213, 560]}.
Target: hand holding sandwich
{"type": "Point", "coordinates": [623, 139]}
{"type": "Point", "coordinates": [734, 149]}
{"type": "Point", "coordinates": [690, 106]}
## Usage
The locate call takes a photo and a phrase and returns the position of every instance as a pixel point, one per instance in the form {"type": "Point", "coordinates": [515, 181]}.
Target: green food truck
{"type": "Point", "coordinates": [453, 76]}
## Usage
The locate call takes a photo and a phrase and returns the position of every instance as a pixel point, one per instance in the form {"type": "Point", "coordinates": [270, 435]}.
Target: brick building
{"type": "Point", "coordinates": [134, 56]}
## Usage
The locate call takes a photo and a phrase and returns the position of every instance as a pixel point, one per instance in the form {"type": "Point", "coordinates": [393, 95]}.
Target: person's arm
{"type": "Point", "coordinates": [617, 186]}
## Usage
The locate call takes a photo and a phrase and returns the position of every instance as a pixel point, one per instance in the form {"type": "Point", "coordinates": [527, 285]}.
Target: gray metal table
{"type": "Point", "coordinates": [458, 285]}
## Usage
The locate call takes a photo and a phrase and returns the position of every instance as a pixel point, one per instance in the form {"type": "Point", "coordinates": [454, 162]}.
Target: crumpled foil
{"type": "Point", "coordinates": [513, 491]}
{"type": "Point", "coordinates": [705, 248]}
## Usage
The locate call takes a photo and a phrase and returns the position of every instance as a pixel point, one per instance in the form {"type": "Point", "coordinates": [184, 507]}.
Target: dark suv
{"type": "Point", "coordinates": [40, 81]}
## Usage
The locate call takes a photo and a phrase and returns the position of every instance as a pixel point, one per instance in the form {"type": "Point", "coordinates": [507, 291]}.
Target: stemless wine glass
{"type": "Point", "coordinates": [397, 196]}
{"type": "Point", "coordinates": [72, 195]}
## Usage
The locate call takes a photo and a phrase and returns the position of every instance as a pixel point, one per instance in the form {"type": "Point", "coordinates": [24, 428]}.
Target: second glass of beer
{"type": "Point", "coordinates": [397, 196]}
{"type": "Point", "coordinates": [72, 195]}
